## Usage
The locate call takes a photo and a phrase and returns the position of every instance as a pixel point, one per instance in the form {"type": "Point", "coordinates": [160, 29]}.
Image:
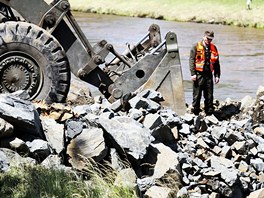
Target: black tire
{"type": "Point", "coordinates": [32, 59]}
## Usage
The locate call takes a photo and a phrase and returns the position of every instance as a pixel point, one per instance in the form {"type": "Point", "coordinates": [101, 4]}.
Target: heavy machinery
{"type": "Point", "coordinates": [41, 44]}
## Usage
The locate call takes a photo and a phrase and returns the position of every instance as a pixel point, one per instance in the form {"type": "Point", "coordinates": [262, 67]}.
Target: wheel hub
{"type": "Point", "coordinates": [18, 71]}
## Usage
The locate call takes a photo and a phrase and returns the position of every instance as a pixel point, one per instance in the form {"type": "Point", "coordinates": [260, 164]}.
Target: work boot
{"type": "Point", "coordinates": [196, 111]}
{"type": "Point", "coordinates": [209, 112]}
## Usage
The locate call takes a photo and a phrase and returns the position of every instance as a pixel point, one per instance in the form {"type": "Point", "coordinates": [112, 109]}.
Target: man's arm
{"type": "Point", "coordinates": [217, 70]}
{"type": "Point", "coordinates": [192, 60]}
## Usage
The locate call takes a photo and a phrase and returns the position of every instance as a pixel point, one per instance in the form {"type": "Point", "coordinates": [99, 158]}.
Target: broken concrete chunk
{"type": "Point", "coordinates": [226, 152]}
{"type": "Point", "coordinates": [257, 194]}
{"type": "Point", "coordinates": [39, 148]}
{"type": "Point", "coordinates": [147, 104]}
{"type": "Point", "coordinates": [258, 164]}
{"type": "Point", "coordinates": [6, 129]}
{"type": "Point", "coordinates": [152, 95]}
{"type": "Point", "coordinates": [152, 121]}
{"type": "Point", "coordinates": [89, 144]}
{"type": "Point", "coordinates": [228, 173]}
{"type": "Point", "coordinates": [135, 113]}
{"type": "Point", "coordinates": [81, 110]}
{"type": "Point", "coordinates": [158, 191]}
{"type": "Point", "coordinates": [73, 128]}
{"type": "Point", "coordinates": [185, 129]}
{"type": "Point", "coordinates": [219, 132]}
{"type": "Point", "coordinates": [19, 146]}
{"type": "Point", "coordinates": [20, 113]}
{"type": "Point", "coordinates": [129, 134]}
{"type": "Point", "coordinates": [54, 133]}
{"type": "Point", "coordinates": [240, 147]}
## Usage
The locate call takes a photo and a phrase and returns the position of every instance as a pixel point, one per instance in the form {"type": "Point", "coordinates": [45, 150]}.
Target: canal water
{"type": "Point", "coordinates": [241, 49]}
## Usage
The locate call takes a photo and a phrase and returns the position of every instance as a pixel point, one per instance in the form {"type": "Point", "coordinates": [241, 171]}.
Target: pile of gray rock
{"type": "Point", "coordinates": [153, 149]}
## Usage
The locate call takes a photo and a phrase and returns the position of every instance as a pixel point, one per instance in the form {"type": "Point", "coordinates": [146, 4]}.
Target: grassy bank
{"type": "Point", "coordinates": [228, 12]}
{"type": "Point", "coordinates": [39, 182]}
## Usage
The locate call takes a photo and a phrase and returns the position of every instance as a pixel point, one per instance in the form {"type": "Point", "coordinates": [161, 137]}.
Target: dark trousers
{"type": "Point", "coordinates": [204, 84]}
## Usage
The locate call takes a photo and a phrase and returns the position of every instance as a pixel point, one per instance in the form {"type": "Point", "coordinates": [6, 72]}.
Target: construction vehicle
{"type": "Point", "coordinates": [41, 45]}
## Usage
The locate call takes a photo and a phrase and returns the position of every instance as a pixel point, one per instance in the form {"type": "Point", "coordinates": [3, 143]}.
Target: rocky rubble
{"type": "Point", "coordinates": [170, 155]}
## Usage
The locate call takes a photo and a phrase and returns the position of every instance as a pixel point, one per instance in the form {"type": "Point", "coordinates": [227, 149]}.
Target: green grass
{"type": "Point", "coordinates": [39, 182]}
{"type": "Point", "coordinates": [229, 12]}
{"type": "Point", "coordinates": [102, 181]}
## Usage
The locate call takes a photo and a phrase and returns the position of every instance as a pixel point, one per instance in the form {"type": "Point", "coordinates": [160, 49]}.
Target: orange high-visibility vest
{"type": "Point", "coordinates": [200, 57]}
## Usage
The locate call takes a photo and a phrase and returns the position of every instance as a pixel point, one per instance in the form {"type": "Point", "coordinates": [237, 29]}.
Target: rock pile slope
{"type": "Point", "coordinates": [221, 155]}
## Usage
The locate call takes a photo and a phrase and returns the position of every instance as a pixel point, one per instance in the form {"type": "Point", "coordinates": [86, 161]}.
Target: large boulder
{"type": "Point", "coordinates": [21, 114]}
{"type": "Point", "coordinates": [90, 144]}
{"type": "Point", "coordinates": [127, 134]}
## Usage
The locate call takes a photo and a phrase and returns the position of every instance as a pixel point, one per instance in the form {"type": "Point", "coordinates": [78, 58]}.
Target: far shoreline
{"type": "Point", "coordinates": [224, 13]}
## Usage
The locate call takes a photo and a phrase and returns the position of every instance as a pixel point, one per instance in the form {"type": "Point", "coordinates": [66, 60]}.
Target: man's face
{"type": "Point", "coordinates": [207, 41]}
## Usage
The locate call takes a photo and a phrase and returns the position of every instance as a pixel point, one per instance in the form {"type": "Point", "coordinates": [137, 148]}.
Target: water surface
{"type": "Point", "coordinates": [241, 49]}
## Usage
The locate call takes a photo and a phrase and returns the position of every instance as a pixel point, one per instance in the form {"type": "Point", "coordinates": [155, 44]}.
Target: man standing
{"type": "Point", "coordinates": [204, 64]}
{"type": "Point", "coordinates": [248, 4]}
